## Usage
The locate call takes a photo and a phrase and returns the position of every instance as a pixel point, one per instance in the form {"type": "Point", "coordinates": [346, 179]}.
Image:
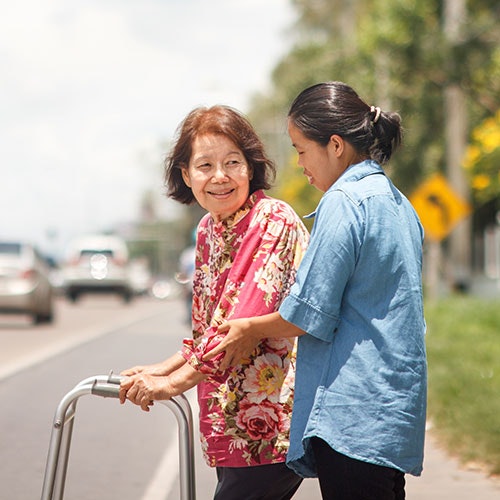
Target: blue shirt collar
{"type": "Point", "coordinates": [351, 174]}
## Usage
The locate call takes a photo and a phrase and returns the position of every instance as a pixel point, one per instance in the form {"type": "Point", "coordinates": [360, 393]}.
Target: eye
{"type": "Point", "coordinates": [203, 166]}
{"type": "Point", "coordinates": [233, 163]}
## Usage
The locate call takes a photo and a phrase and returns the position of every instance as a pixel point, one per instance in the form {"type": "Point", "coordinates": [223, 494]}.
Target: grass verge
{"type": "Point", "coordinates": [463, 349]}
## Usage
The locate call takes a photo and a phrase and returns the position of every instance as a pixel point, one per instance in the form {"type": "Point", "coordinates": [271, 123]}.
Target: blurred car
{"type": "Point", "coordinates": [97, 264]}
{"type": "Point", "coordinates": [25, 287]}
{"type": "Point", "coordinates": [140, 276]}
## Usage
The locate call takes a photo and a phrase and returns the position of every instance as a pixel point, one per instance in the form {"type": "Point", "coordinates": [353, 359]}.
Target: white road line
{"type": "Point", "coordinates": [166, 476]}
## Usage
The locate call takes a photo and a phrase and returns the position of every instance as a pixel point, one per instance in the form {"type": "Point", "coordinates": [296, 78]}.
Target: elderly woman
{"type": "Point", "coordinates": [248, 249]}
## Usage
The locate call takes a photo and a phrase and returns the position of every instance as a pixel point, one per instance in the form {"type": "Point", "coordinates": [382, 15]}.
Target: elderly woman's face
{"type": "Point", "coordinates": [218, 175]}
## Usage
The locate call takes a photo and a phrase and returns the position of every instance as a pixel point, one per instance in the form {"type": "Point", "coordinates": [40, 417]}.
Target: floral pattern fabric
{"type": "Point", "coordinates": [245, 266]}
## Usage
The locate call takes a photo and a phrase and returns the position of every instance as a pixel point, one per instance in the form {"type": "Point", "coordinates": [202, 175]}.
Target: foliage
{"type": "Point", "coordinates": [482, 159]}
{"type": "Point", "coordinates": [395, 54]}
{"type": "Point", "coordinates": [464, 380]}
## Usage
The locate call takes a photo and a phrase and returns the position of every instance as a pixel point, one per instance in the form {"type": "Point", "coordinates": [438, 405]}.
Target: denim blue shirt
{"type": "Point", "coordinates": [361, 377]}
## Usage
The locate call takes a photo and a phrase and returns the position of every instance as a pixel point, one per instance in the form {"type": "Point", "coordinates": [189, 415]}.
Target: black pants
{"type": "Point", "coordinates": [263, 482]}
{"type": "Point", "coordinates": [344, 478]}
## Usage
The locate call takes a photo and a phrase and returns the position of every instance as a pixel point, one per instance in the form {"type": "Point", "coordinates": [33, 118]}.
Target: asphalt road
{"type": "Point", "coordinates": [122, 452]}
{"type": "Point", "coordinates": [115, 449]}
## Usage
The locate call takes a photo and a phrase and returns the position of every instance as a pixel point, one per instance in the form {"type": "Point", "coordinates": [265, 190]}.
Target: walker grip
{"type": "Point", "coordinates": [105, 390]}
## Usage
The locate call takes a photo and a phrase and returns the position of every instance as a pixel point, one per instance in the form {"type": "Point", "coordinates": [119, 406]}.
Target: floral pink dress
{"type": "Point", "coordinates": [245, 266]}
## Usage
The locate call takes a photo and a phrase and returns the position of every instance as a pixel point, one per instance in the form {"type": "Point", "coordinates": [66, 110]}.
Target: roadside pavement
{"type": "Point", "coordinates": [443, 478]}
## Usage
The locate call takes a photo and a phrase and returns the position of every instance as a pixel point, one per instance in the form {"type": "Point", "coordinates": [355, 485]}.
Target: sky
{"type": "Point", "coordinates": [91, 91]}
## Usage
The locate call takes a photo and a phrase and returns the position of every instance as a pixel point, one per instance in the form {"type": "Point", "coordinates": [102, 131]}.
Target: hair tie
{"type": "Point", "coordinates": [377, 111]}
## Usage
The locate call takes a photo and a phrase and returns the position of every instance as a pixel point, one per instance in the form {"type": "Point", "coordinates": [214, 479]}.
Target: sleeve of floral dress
{"type": "Point", "coordinates": [193, 352]}
{"type": "Point", "coordinates": [260, 277]}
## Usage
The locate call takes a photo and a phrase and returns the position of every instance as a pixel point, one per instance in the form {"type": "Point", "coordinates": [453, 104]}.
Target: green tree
{"type": "Point", "coordinates": [395, 54]}
{"type": "Point", "coordinates": [482, 160]}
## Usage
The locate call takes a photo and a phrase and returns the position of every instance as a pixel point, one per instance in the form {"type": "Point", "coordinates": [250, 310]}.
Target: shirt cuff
{"type": "Point", "coordinates": [308, 318]}
{"type": "Point", "coordinates": [194, 350]}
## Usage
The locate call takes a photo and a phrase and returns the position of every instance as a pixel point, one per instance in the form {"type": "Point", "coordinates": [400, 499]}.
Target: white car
{"type": "Point", "coordinates": [25, 287]}
{"type": "Point", "coordinates": [97, 264]}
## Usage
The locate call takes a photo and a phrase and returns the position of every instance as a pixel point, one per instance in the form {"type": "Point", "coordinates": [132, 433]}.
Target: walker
{"type": "Point", "coordinates": [108, 386]}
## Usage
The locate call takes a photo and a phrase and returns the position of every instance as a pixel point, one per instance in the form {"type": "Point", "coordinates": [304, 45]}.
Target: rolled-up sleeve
{"type": "Point", "coordinates": [308, 317]}
{"type": "Point", "coordinates": [193, 351]}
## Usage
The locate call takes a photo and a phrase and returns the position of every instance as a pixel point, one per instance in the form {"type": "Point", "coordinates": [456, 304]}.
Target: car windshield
{"type": "Point", "coordinates": [10, 248]}
{"type": "Point", "coordinates": [107, 253]}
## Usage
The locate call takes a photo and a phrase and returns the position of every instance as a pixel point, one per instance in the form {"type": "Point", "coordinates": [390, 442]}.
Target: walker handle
{"type": "Point", "coordinates": [108, 389]}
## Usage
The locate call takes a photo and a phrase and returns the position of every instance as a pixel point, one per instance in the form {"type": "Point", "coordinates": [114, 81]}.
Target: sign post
{"type": "Point", "coordinates": [440, 209]}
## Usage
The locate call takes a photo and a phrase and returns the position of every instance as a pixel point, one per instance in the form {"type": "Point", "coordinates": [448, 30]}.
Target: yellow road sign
{"type": "Point", "coordinates": [438, 207]}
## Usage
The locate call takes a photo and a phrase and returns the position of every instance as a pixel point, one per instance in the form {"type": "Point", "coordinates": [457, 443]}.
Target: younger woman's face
{"type": "Point", "coordinates": [322, 165]}
{"type": "Point", "coordinates": [218, 175]}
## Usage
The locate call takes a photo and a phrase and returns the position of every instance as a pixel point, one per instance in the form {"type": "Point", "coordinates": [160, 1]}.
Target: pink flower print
{"type": "Point", "coordinates": [281, 347]}
{"type": "Point", "coordinates": [199, 311]}
{"type": "Point", "coordinates": [266, 277]}
{"type": "Point", "coordinates": [264, 379]}
{"type": "Point", "coordinates": [260, 421]}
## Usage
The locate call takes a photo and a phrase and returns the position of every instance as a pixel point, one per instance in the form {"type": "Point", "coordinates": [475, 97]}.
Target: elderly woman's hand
{"type": "Point", "coordinates": [143, 389]}
{"type": "Point", "coordinates": [155, 369]}
{"type": "Point", "coordinates": [134, 370]}
{"type": "Point", "coordinates": [159, 369]}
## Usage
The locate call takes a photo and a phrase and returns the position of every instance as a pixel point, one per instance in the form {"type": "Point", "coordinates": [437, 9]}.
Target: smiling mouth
{"type": "Point", "coordinates": [221, 193]}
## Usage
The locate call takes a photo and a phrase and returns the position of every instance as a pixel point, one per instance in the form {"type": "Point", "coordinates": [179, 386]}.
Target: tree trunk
{"type": "Point", "coordinates": [456, 141]}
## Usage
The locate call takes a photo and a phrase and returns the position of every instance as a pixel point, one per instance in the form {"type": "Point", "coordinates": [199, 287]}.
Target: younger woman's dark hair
{"type": "Point", "coordinates": [219, 120]}
{"type": "Point", "coordinates": [334, 108]}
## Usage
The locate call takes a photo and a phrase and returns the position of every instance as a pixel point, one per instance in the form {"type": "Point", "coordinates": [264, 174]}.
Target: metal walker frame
{"type": "Point", "coordinates": [108, 386]}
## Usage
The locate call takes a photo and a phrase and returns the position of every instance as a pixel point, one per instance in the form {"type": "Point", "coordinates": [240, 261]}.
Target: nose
{"type": "Point", "coordinates": [219, 174]}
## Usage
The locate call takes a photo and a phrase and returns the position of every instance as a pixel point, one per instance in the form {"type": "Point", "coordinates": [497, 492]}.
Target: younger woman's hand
{"type": "Point", "coordinates": [236, 344]}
